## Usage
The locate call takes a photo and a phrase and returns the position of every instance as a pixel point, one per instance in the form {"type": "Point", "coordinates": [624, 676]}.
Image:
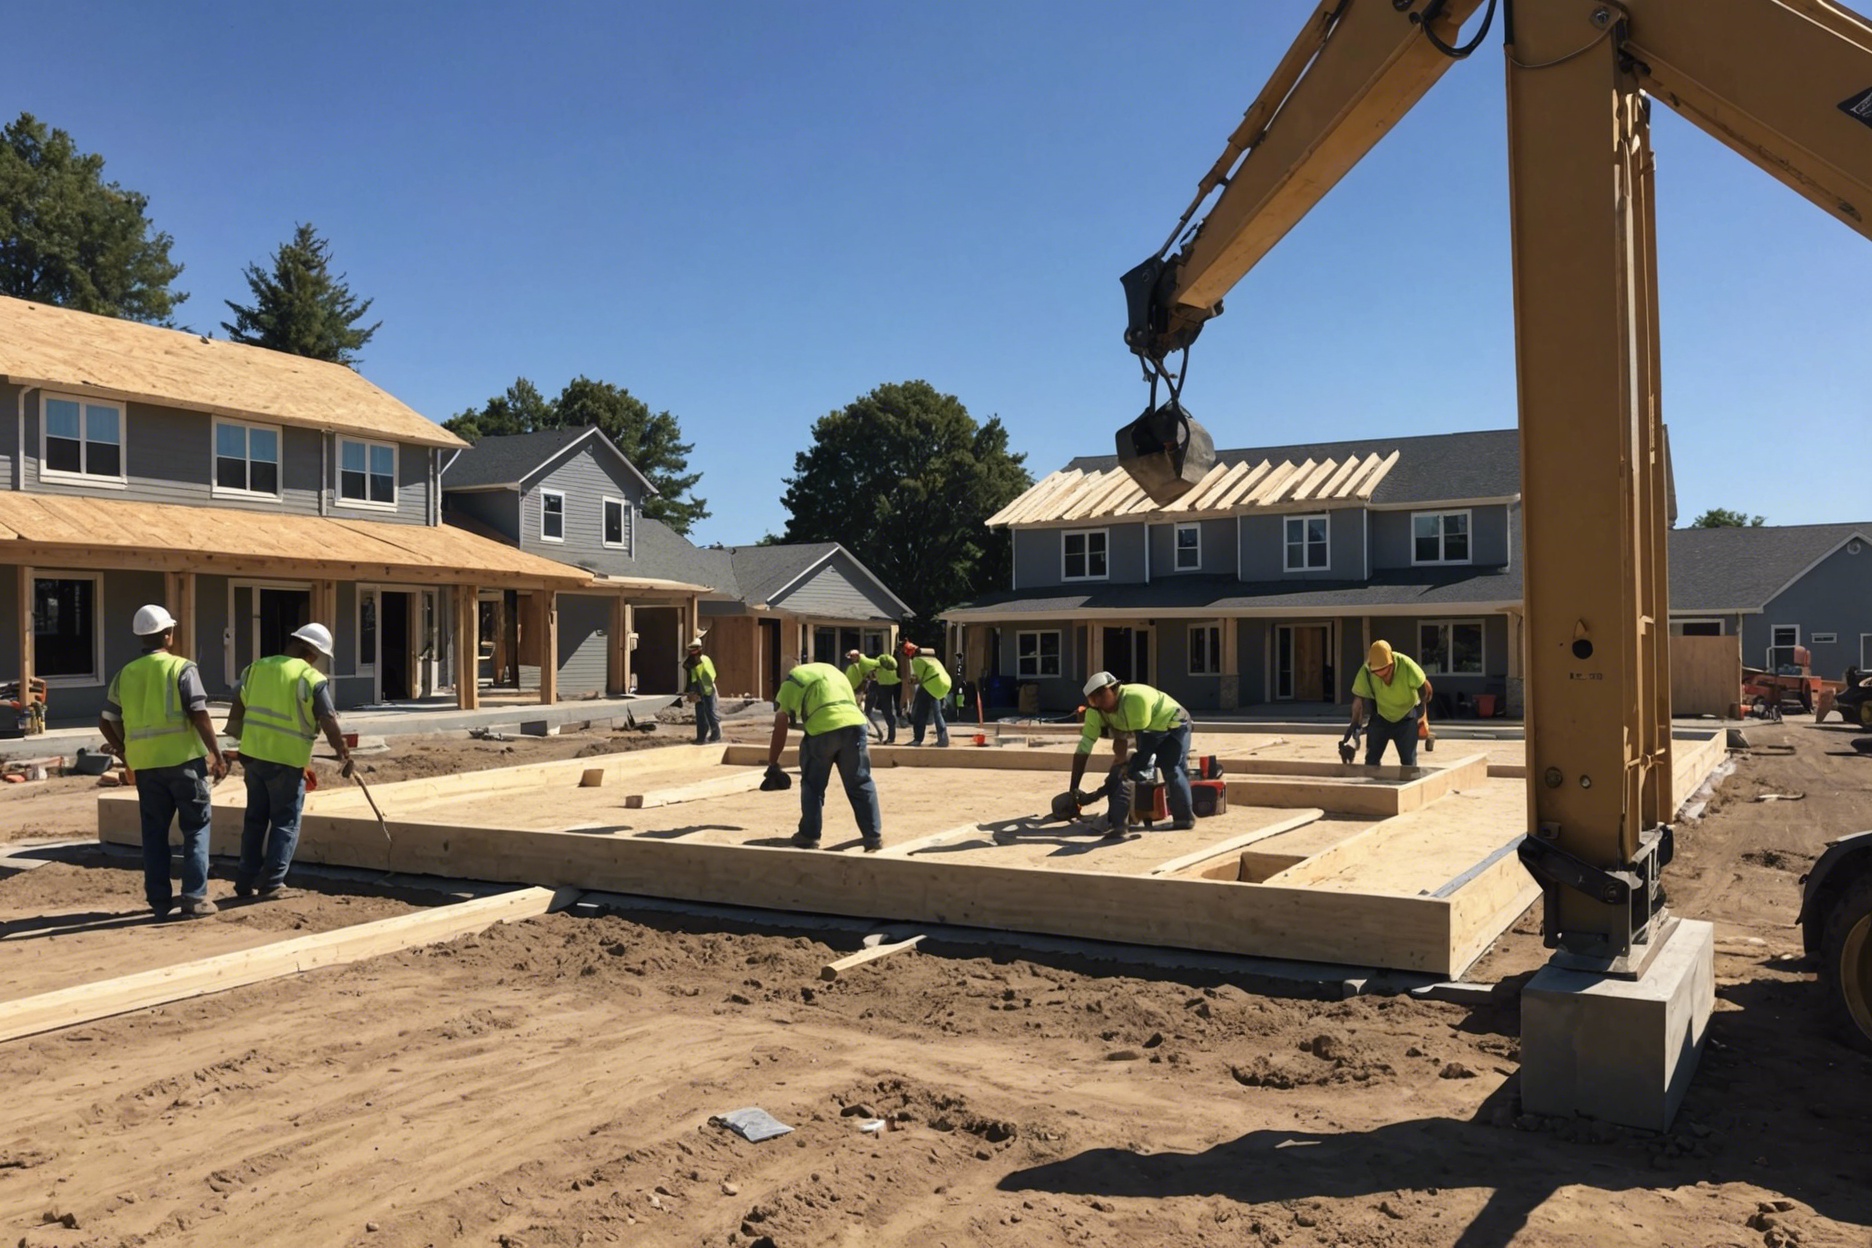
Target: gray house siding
{"type": "Point", "coordinates": [836, 591]}
{"type": "Point", "coordinates": [584, 631]}
{"type": "Point", "coordinates": [168, 457]}
{"type": "Point", "coordinates": [497, 509]}
{"type": "Point", "coordinates": [1055, 691]}
{"type": "Point", "coordinates": [1834, 597]}
{"type": "Point", "coordinates": [211, 632]}
{"type": "Point", "coordinates": [1173, 674]}
{"type": "Point", "coordinates": [1264, 548]}
{"type": "Point", "coordinates": [1038, 558]}
{"type": "Point", "coordinates": [586, 477]}
{"type": "Point", "coordinates": [1217, 549]}
{"type": "Point", "coordinates": [1251, 656]}
{"type": "Point", "coordinates": [1488, 528]}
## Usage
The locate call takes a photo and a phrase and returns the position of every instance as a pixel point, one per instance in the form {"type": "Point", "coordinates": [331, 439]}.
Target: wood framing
{"type": "Point", "coordinates": [1234, 844]}
{"type": "Point", "coordinates": [23, 600]}
{"type": "Point", "coordinates": [467, 647]}
{"type": "Point", "coordinates": [549, 645]}
{"type": "Point", "coordinates": [832, 970]}
{"type": "Point", "coordinates": [179, 597]}
{"type": "Point", "coordinates": [85, 1003]}
{"type": "Point", "coordinates": [717, 786]}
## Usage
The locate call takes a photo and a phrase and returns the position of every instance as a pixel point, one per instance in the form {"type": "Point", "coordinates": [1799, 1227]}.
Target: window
{"type": "Point", "coordinates": [552, 516]}
{"type": "Point", "coordinates": [616, 522]}
{"type": "Point", "coordinates": [247, 459]}
{"type": "Point", "coordinates": [1037, 654]}
{"type": "Point", "coordinates": [367, 473]}
{"type": "Point", "coordinates": [1781, 645]}
{"type": "Point", "coordinates": [367, 632]}
{"type": "Point", "coordinates": [1307, 549]}
{"type": "Point", "coordinates": [65, 631]}
{"type": "Point", "coordinates": [1699, 628]}
{"type": "Point", "coordinates": [876, 641]}
{"type": "Point", "coordinates": [82, 440]}
{"type": "Point", "coordinates": [1189, 548]}
{"type": "Point", "coordinates": [1205, 650]}
{"type": "Point", "coordinates": [1450, 647]}
{"type": "Point", "coordinates": [1083, 555]}
{"type": "Point", "coordinates": [1823, 639]}
{"type": "Point", "coordinates": [1440, 537]}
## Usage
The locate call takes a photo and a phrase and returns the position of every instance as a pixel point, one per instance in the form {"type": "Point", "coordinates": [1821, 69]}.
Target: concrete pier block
{"type": "Point", "coordinates": [1619, 1050]}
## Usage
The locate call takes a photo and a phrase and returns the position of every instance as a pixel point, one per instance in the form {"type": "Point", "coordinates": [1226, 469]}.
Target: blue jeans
{"type": "Point", "coordinates": [708, 719]}
{"type": "Point", "coordinates": [178, 795]}
{"type": "Point", "coordinates": [1169, 753]}
{"type": "Point", "coordinates": [844, 748]}
{"type": "Point", "coordinates": [921, 712]}
{"type": "Point", "coordinates": [1379, 730]}
{"type": "Point", "coordinates": [882, 700]}
{"type": "Point", "coordinates": [275, 796]}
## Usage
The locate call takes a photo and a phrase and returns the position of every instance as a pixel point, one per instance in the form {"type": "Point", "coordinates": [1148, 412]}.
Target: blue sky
{"type": "Point", "coordinates": [751, 213]}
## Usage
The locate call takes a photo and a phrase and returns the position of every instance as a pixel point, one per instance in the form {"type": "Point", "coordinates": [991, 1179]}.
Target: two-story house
{"type": "Point", "coordinates": [572, 495]}
{"type": "Point", "coordinates": [1265, 583]}
{"type": "Point", "coordinates": [249, 490]}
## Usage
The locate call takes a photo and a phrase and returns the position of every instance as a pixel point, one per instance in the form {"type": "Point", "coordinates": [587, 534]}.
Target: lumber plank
{"type": "Point", "coordinates": [1237, 842]}
{"type": "Point", "coordinates": [905, 848]}
{"type": "Point", "coordinates": [832, 970]}
{"type": "Point", "coordinates": [84, 1003]}
{"type": "Point", "coordinates": [717, 786]}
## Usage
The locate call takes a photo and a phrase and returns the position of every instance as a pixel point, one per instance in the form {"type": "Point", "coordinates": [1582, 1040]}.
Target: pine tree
{"type": "Point", "coordinates": [299, 307]}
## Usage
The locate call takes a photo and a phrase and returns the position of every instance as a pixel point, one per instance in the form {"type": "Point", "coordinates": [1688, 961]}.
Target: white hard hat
{"type": "Point", "coordinates": [1100, 680]}
{"type": "Point", "coordinates": [152, 620]}
{"type": "Point", "coordinates": [695, 643]}
{"type": "Point", "coordinates": [318, 637]}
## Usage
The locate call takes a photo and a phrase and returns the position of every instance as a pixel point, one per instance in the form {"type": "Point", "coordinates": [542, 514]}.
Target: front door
{"type": "Point", "coordinates": [280, 614]}
{"type": "Point", "coordinates": [1300, 652]}
{"type": "Point", "coordinates": [1127, 654]}
{"type": "Point", "coordinates": [395, 673]}
{"type": "Point", "coordinates": [770, 650]}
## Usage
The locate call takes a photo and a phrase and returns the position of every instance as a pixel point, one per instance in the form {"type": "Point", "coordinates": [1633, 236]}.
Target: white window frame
{"type": "Point", "coordinates": [1468, 515]}
{"type": "Point", "coordinates": [1822, 639]}
{"type": "Point", "coordinates": [1176, 547]}
{"type": "Point", "coordinates": [1450, 648]}
{"type": "Point", "coordinates": [544, 536]}
{"type": "Point", "coordinates": [1212, 644]}
{"type": "Point", "coordinates": [1020, 660]}
{"type": "Point", "coordinates": [1105, 535]}
{"type": "Point", "coordinates": [217, 490]}
{"type": "Point", "coordinates": [358, 666]}
{"type": "Point", "coordinates": [1721, 628]}
{"type": "Point", "coordinates": [97, 674]}
{"type": "Point", "coordinates": [1774, 631]}
{"type": "Point", "coordinates": [1287, 564]}
{"type": "Point", "coordinates": [625, 528]}
{"type": "Point", "coordinates": [366, 503]}
{"type": "Point", "coordinates": [122, 479]}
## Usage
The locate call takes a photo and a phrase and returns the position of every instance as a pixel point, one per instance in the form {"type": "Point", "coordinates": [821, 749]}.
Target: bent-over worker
{"type": "Point", "coordinates": [932, 687]}
{"type": "Point", "coordinates": [284, 702]}
{"type": "Point", "coordinates": [700, 670]}
{"type": "Point", "coordinates": [1149, 728]}
{"type": "Point", "coordinates": [862, 671]}
{"type": "Point", "coordinates": [1398, 688]}
{"type": "Point", "coordinates": [156, 719]}
{"type": "Point", "coordinates": [818, 698]}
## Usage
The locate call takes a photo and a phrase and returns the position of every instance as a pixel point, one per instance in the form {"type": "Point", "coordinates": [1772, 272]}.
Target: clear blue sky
{"type": "Point", "coordinates": [751, 213]}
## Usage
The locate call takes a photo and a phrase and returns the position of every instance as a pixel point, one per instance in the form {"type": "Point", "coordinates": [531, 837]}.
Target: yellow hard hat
{"type": "Point", "coordinates": [1379, 655]}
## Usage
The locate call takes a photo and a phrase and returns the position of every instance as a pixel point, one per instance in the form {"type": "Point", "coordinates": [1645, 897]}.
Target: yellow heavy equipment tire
{"type": "Point", "coordinates": [1846, 962]}
{"type": "Point", "coordinates": [1865, 713]}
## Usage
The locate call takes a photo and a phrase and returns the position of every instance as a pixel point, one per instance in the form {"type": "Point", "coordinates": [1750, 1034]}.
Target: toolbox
{"type": "Point", "coordinates": [1209, 797]}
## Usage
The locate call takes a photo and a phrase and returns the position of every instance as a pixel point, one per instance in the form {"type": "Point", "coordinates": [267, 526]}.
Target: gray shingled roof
{"type": "Point", "coordinates": [1742, 569]}
{"type": "Point", "coordinates": [1434, 468]}
{"type": "Point", "coordinates": [506, 459]}
{"type": "Point", "coordinates": [750, 574]}
{"type": "Point", "coordinates": [1394, 591]}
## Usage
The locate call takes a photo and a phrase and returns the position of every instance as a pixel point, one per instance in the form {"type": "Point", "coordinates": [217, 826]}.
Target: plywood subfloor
{"type": "Point", "coordinates": [1422, 851]}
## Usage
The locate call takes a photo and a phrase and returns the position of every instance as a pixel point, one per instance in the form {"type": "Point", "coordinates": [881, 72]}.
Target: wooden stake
{"type": "Point", "coordinates": [831, 970]}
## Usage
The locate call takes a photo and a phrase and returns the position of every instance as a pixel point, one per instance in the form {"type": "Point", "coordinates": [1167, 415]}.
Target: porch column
{"type": "Point", "coordinates": [549, 646]}
{"type": "Point", "coordinates": [324, 604]}
{"type": "Point", "coordinates": [503, 643]}
{"type": "Point", "coordinates": [1514, 701]}
{"type": "Point", "coordinates": [25, 633]}
{"type": "Point", "coordinates": [756, 672]}
{"type": "Point", "coordinates": [1229, 698]}
{"type": "Point", "coordinates": [1095, 635]}
{"type": "Point", "coordinates": [614, 653]}
{"type": "Point", "coordinates": [179, 597]}
{"type": "Point", "coordinates": [467, 648]}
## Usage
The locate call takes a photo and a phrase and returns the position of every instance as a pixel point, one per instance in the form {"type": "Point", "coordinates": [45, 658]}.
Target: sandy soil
{"type": "Point", "coordinates": [550, 1083]}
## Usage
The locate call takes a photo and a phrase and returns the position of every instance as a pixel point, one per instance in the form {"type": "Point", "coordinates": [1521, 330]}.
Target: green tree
{"type": "Point", "coordinates": [650, 440]}
{"type": "Point", "coordinates": [1723, 518]}
{"type": "Point", "coordinates": [904, 477]}
{"type": "Point", "coordinates": [68, 237]}
{"type": "Point", "coordinates": [299, 307]}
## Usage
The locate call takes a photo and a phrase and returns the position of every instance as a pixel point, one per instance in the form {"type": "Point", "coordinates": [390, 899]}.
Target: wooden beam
{"type": "Point", "coordinates": [549, 645]}
{"type": "Point", "coordinates": [1235, 843]}
{"type": "Point", "coordinates": [467, 647]}
{"type": "Point", "coordinates": [903, 849]}
{"type": "Point", "coordinates": [24, 590]}
{"type": "Point", "coordinates": [85, 1003]}
{"type": "Point", "coordinates": [297, 567]}
{"type": "Point", "coordinates": [719, 786]}
{"type": "Point", "coordinates": [831, 970]}
{"type": "Point", "coordinates": [179, 597]}
{"type": "Point", "coordinates": [614, 649]}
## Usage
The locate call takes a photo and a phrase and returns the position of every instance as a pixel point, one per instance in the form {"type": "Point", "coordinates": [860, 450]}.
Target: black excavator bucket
{"type": "Point", "coordinates": [1166, 452]}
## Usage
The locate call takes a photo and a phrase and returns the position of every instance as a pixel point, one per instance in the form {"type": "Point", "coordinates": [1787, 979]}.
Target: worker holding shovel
{"type": "Point", "coordinates": [1396, 686]}
{"type": "Point", "coordinates": [283, 704]}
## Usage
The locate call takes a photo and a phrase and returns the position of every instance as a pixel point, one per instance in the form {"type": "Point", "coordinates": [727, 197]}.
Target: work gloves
{"type": "Point", "coordinates": [775, 780]}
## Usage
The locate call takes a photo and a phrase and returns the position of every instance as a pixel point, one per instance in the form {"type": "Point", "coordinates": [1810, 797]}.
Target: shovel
{"type": "Point", "coordinates": [381, 825]}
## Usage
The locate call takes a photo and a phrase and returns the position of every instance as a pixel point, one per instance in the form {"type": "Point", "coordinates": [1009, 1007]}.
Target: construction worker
{"type": "Point", "coordinates": [700, 670]}
{"type": "Point", "coordinates": [1149, 729]}
{"type": "Point", "coordinates": [818, 698]}
{"type": "Point", "coordinates": [1398, 688]}
{"type": "Point", "coordinates": [887, 695]}
{"type": "Point", "coordinates": [861, 673]}
{"type": "Point", "coordinates": [932, 686]}
{"type": "Point", "coordinates": [282, 705]}
{"type": "Point", "coordinates": [156, 719]}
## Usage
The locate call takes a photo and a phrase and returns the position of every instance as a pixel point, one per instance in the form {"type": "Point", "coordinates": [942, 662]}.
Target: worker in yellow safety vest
{"type": "Point", "coordinates": [933, 684]}
{"type": "Point", "coordinates": [699, 669]}
{"type": "Point", "coordinates": [863, 671]}
{"type": "Point", "coordinates": [155, 718]}
{"type": "Point", "coordinates": [284, 702]}
{"type": "Point", "coordinates": [1149, 729]}
{"type": "Point", "coordinates": [818, 698]}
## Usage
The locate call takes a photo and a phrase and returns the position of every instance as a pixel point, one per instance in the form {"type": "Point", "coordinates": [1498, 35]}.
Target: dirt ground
{"type": "Point", "coordinates": [551, 1083]}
